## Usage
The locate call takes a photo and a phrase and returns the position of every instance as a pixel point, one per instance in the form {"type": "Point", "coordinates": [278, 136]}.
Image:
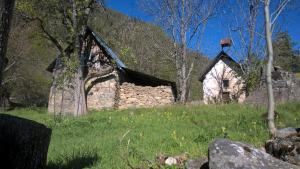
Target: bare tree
{"type": "Point", "coordinates": [269, 27]}
{"type": "Point", "coordinates": [271, 103]}
{"type": "Point", "coordinates": [246, 32]}
{"type": "Point", "coordinates": [183, 20]}
{"type": "Point", "coordinates": [6, 12]}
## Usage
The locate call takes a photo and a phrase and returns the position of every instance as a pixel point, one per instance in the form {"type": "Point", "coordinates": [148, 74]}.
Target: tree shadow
{"type": "Point", "coordinates": [75, 161]}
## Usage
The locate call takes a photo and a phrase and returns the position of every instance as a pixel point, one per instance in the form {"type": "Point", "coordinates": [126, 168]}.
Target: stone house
{"type": "Point", "coordinates": [222, 81]}
{"type": "Point", "coordinates": [109, 83]}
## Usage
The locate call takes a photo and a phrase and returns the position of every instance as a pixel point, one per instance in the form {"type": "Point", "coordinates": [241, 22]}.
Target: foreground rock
{"type": "Point", "coordinates": [286, 146]}
{"type": "Point", "coordinates": [226, 154]}
{"type": "Point", "coordinates": [23, 143]}
{"type": "Point", "coordinates": [200, 163]}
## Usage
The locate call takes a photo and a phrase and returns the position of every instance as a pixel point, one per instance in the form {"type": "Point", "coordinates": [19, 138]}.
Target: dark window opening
{"type": "Point", "coordinates": [225, 83]}
{"type": "Point", "coordinates": [226, 97]}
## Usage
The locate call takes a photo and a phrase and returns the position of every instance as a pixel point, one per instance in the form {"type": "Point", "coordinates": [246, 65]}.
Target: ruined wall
{"type": "Point", "coordinates": [144, 96]}
{"type": "Point", "coordinates": [102, 92]}
{"type": "Point", "coordinates": [285, 86]}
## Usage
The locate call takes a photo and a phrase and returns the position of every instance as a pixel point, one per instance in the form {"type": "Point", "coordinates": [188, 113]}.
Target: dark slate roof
{"type": "Point", "coordinates": [221, 56]}
{"type": "Point", "coordinates": [103, 44]}
{"type": "Point", "coordinates": [145, 79]}
{"type": "Point", "coordinates": [107, 49]}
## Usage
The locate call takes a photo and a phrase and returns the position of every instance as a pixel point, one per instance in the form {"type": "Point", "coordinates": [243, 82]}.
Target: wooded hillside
{"type": "Point", "coordinates": [142, 46]}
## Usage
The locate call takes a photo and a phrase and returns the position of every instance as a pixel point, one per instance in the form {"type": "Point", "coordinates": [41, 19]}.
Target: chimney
{"type": "Point", "coordinates": [225, 42]}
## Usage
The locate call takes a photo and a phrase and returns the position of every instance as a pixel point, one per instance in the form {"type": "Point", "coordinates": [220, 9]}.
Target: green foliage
{"type": "Point", "coordinates": [116, 137]}
{"type": "Point", "coordinates": [252, 72]}
{"type": "Point", "coordinates": [25, 6]}
{"type": "Point", "coordinates": [30, 55]}
{"type": "Point", "coordinates": [70, 68]}
{"type": "Point", "coordinates": [80, 157]}
{"type": "Point", "coordinates": [283, 52]}
{"type": "Point", "coordinates": [51, 25]}
{"type": "Point", "coordinates": [127, 55]}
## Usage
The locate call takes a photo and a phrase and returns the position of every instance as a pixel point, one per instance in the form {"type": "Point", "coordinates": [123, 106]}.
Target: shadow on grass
{"type": "Point", "coordinates": [75, 160]}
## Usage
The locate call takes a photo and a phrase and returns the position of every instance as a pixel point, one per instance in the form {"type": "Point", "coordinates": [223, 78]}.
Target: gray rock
{"type": "Point", "coordinates": [282, 133]}
{"type": "Point", "coordinates": [200, 163]}
{"type": "Point", "coordinates": [285, 146]}
{"type": "Point", "coordinates": [226, 154]}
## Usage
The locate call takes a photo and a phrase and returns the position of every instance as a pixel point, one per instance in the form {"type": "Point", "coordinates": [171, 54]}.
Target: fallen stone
{"type": "Point", "coordinates": [226, 154]}
{"type": "Point", "coordinates": [199, 163]}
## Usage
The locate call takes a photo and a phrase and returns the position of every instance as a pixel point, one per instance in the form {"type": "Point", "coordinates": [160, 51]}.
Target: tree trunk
{"type": "Point", "coordinates": [4, 98]}
{"type": "Point", "coordinates": [5, 22]}
{"type": "Point", "coordinates": [183, 57]}
{"type": "Point", "coordinates": [80, 107]}
{"type": "Point", "coordinates": [23, 143]}
{"type": "Point", "coordinates": [271, 104]}
{"type": "Point", "coordinates": [184, 80]}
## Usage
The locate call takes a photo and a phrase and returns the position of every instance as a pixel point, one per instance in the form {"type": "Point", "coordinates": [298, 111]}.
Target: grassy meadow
{"type": "Point", "coordinates": [134, 137]}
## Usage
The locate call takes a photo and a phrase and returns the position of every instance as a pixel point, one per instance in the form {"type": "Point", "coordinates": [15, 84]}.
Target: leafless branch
{"type": "Point", "coordinates": [47, 34]}
{"type": "Point", "coordinates": [278, 11]}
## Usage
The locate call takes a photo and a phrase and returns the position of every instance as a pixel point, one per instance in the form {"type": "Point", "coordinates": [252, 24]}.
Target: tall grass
{"type": "Point", "coordinates": [119, 138]}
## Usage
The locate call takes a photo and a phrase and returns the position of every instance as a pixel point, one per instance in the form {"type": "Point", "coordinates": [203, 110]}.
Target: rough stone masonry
{"type": "Point", "coordinates": [286, 87]}
{"type": "Point", "coordinates": [140, 96]}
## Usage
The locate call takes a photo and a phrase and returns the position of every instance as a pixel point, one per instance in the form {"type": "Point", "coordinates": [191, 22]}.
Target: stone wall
{"type": "Point", "coordinates": [144, 96]}
{"type": "Point", "coordinates": [285, 86]}
{"type": "Point", "coordinates": [102, 92]}
{"type": "Point", "coordinates": [106, 92]}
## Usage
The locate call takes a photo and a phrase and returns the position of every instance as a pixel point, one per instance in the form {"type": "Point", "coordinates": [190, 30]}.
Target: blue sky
{"type": "Point", "coordinates": [215, 30]}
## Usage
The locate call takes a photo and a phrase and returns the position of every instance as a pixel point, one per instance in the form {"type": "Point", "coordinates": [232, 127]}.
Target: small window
{"type": "Point", "coordinates": [225, 83]}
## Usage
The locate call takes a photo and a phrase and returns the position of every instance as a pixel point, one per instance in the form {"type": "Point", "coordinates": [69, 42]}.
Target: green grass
{"type": "Point", "coordinates": [108, 139]}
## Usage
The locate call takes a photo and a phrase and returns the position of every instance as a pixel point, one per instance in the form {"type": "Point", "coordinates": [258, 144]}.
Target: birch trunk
{"type": "Point", "coordinates": [184, 78]}
{"type": "Point", "coordinates": [271, 104]}
{"type": "Point", "coordinates": [183, 57]}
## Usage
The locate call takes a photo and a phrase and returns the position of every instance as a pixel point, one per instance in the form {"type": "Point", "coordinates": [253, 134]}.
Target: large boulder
{"type": "Point", "coordinates": [226, 154]}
